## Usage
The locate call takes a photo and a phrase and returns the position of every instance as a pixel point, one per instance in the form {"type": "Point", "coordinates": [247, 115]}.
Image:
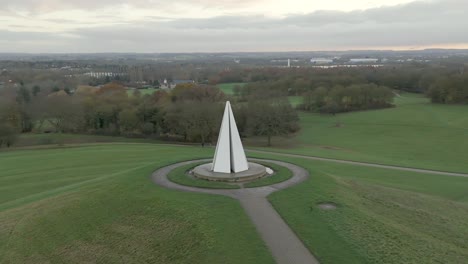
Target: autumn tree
{"type": "Point", "coordinates": [272, 117]}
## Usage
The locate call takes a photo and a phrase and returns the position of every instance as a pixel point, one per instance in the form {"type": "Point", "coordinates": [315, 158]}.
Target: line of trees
{"type": "Point", "coordinates": [345, 99]}
{"type": "Point", "coordinates": [189, 112]}
{"type": "Point", "coordinates": [451, 89]}
{"type": "Point", "coordinates": [297, 81]}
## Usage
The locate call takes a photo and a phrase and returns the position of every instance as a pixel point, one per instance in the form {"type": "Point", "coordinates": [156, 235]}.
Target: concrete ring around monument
{"type": "Point", "coordinates": [299, 175]}
{"type": "Point", "coordinates": [254, 172]}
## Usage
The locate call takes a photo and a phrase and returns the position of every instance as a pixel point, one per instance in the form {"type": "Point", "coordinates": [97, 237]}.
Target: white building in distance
{"type": "Point", "coordinates": [364, 60]}
{"type": "Point", "coordinates": [321, 61]}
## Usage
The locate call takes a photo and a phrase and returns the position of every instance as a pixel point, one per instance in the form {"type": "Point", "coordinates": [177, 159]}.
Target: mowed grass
{"type": "Point", "coordinates": [295, 101]}
{"type": "Point", "coordinates": [383, 216]}
{"type": "Point", "coordinates": [148, 91]}
{"type": "Point", "coordinates": [415, 133]}
{"type": "Point", "coordinates": [228, 88]}
{"type": "Point", "coordinates": [280, 174]}
{"type": "Point", "coordinates": [32, 139]}
{"type": "Point", "coordinates": [97, 204]}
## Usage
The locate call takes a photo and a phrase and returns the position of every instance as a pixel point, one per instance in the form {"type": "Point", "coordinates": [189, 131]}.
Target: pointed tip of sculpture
{"type": "Point", "coordinates": [229, 154]}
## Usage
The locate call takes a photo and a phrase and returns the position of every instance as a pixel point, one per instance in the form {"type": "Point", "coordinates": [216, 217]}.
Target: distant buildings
{"type": "Point", "coordinates": [103, 74]}
{"type": "Point", "coordinates": [321, 61]}
{"type": "Point", "coordinates": [364, 60]}
{"type": "Point", "coordinates": [172, 84]}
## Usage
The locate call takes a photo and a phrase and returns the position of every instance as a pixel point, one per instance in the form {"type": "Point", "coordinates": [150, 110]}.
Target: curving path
{"type": "Point", "coordinates": [283, 243]}
{"type": "Point", "coordinates": [360, 163]}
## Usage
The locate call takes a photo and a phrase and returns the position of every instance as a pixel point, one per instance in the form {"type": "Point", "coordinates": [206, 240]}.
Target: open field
{"type": "Point", "coordinates": [97, 204]}
{"type": "Point", "coordinates": [415, 134]}
{"type": "Point", "coordinates": [148, 91]}
{"type": "Point", "coordinates": [228, 88]}
{"type": "Point", "coordinates": [295, 100]}
{"type": "Point", "coordinates": [26, 140]}
{"type": "Point", "coordinates": [56, 204]}
{"type": "Point", "coordinates": [382, 216]}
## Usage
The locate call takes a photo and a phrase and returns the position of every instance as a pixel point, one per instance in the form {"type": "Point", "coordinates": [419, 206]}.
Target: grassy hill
{"type": "Point", "coordinates": [415, 133]}
{"type": "Point", "coordinates": [382, 216]}
{"type": "Point", "coordinates": [97, 204]}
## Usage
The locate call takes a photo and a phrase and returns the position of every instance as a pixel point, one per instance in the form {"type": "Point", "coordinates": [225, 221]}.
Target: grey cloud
{"type": "Point", "coordinates": [54, 5]}
{"type": "Point", "coordinates": [416, 24]}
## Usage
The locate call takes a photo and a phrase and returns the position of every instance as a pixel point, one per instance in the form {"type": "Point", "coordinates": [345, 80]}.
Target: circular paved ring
{"type": "Point", "coordinates": [299, 175]}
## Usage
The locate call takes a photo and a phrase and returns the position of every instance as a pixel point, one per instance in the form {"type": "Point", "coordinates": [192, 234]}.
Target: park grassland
{"type": "Point", "coordinates": [98, 204]}
{"type": "Point", "coordinates": [228, 88]}
{"type": "Point", "coordinates": [415, 133]}
{"type": "Point", "coordinates": [147, 91]}
{"type": "Point", "coordinates": [382, 216]}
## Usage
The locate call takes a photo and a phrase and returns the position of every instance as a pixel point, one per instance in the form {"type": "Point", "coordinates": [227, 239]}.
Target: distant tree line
{"type": "Point", "coordinates": [296, 81]}
{"type": "Point", "coordinates": [189, 112]}
{"type": "Point", "coordinates": [452, 89]}
{"type": "Point", "coordinates": [345, 99]}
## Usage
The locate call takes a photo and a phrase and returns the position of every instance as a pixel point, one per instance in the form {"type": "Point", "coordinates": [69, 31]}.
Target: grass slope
{"type": "Point", "coordinates": [31, 139]}
{"type": "Point", "coordinates": [383, 216]}
{"type": "Point", "coordinates": [97, 204]}
{"type": "Point", "coordinates": [414, 134]}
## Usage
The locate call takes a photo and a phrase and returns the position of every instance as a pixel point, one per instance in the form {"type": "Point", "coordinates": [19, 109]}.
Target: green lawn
{"type": "Point", "coordinates": [148, 91]}
{"type": "Point", "coordinates": [383, 216]}
{"type": "Point", "coordinates": [296, 100]}
{"type": "Point", "coordinates": [32, 139]}
{"type": "Point", "coordinates": [281, 174]}
{"type": "Point", "coordinates": [97, 204]}
{"type": "Point", "coordinates": [228, 88]}
{"type": "Point", "coordinates": [415, 133]}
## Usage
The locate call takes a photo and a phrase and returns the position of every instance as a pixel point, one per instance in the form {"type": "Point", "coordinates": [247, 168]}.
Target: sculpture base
{"type": "Point", "coordinates": [255, 171]}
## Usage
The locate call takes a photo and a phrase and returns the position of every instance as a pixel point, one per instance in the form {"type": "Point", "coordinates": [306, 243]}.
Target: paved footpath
{"type": "Point", "coordinates": [283, 243]}
{"type": "Point", "coordinates": [365, 164]}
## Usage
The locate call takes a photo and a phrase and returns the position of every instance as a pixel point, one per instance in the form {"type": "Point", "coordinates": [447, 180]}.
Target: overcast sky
{"type": "Point", "coordinates": [230, 25]}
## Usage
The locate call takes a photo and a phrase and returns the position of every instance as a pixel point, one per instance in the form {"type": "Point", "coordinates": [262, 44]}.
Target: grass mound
{"type": "Point", "coordinates": [98, 204]}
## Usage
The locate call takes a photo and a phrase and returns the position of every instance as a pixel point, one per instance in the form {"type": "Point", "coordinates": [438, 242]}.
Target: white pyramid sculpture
{"type": "Point", "coordinates": [229, 155]}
